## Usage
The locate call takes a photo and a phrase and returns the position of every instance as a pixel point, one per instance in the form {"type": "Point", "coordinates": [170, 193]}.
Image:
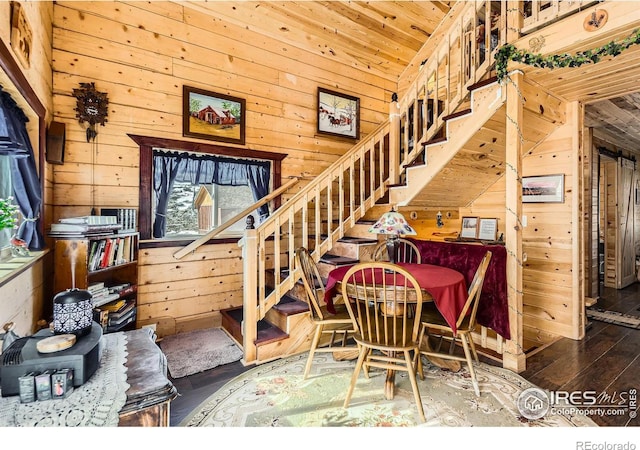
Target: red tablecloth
{"type": "Point", "coordinates": [446, 286]}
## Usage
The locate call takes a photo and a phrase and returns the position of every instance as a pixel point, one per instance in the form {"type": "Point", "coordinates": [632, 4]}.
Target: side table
{"type": "Point", "coordinates": [150, 391]}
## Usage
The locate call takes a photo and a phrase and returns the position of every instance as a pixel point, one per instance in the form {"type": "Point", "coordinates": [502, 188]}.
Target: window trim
{"type": "Point", "coordinates": [148, 143]}
{"type": "Point", "coordinates": [28, 98]}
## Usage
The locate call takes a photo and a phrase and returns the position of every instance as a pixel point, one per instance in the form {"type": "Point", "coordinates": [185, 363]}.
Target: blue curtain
{"type": "Point", "coordinates": [170, 167]}
{"type": "Point", "coordinates": [15, 143]}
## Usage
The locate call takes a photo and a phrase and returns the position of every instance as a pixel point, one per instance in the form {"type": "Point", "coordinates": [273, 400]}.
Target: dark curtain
{"type": "Point", "coordinates": [170, 167]}
{"type": "Point", "coordinates": [15, 143]}
{"type": "Point", "coordinates": [165, 169]}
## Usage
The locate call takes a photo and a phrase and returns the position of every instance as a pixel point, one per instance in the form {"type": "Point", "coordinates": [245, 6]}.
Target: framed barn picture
{"type": "Point", "coordinates": [338, 114]}
{"type": "Point", "coordinates": [213, 116]}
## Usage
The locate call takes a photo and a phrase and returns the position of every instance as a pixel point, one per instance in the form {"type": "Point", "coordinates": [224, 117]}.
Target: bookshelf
{"type": "Point", "coordinates": [106, 265]}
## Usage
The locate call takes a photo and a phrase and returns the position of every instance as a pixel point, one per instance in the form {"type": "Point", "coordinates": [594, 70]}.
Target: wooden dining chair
{"type": "Point", "coordinates": [378, 296]}
{"type": "Point", "coordinates": [408, 252]}
{"type": "Point", "coordinates": [338, 327]}
{"type": "Point", "coordinates": [433, 324]}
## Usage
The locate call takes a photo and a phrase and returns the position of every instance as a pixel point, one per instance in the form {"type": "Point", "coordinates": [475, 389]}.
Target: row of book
{"type": "Point", "coordinates": [111, 251]}
{"type": "Point", "coordinates": [110, 220]}
{"type": "Point", "coordinates": [126, 217]}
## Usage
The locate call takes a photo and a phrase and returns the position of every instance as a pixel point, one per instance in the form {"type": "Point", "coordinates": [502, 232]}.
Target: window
{"type": "Point", "coordinates": [18, 172]}
{"type": "Point", "coordinates": [207, 186]}
{"type": "Point", "coordinates": [197, 209]}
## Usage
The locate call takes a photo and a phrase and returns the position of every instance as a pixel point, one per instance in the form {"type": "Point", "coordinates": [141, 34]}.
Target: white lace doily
{"type": "Point", "coordinates": [96, 403]}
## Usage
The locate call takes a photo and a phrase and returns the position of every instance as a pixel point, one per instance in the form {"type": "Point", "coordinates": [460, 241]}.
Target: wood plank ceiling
{"type": "Point", "coordinates": [379, 36]}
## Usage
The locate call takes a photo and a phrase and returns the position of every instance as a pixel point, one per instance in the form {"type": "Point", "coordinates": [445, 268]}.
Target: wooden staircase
{"type": "Point", "coordinates": [487, 99]}
{"type": "Point", "coordinates": [275, 329]}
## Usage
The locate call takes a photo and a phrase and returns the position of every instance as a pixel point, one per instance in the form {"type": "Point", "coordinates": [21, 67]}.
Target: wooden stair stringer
{"type": "Point", "coordinates": [486, 101]}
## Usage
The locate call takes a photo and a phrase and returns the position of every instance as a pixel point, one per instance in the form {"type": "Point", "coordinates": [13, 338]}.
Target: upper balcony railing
{"type": "Point", "coordinates": [538, 13]}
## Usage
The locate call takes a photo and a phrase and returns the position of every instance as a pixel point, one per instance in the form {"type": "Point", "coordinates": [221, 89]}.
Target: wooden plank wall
{"type": "Point", "coordinates": [548, 238]}
{"type": "Point", "coordinates": [27, 298]}
{"type": "Point", "coordinates": [548, 271]}
{"type": "Point", "coordinates": [141, 54]}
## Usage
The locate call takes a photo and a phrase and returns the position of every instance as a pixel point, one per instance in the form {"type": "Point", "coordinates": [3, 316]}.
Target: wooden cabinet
{"type": "Point", "coordinates": [107, 266]}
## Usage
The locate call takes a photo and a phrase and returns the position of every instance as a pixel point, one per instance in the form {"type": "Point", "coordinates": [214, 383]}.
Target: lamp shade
{"type": "Point", "coordinates": [392, 222]}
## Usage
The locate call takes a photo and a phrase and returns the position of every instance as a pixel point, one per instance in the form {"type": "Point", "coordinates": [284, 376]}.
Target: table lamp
{"type": "Point", "coordinates": [392, 224]}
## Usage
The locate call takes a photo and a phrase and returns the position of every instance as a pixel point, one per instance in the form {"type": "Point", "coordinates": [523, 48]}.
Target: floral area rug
{"type": "Point", "coordinates": [275, 395]}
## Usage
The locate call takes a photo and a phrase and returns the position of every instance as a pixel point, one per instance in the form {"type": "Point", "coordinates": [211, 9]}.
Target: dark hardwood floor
{"type": "Point", "coordinates": [607, 361]}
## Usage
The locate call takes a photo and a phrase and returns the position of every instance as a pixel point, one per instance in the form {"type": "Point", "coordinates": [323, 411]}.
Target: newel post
{"type": "Point", "coordinates": [249, 244]}
{"type": "Point", "coordinates": [394, 140]}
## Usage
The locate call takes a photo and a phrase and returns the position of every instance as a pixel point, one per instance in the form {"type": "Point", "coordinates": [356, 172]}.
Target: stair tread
{"type": "Point", "coordinates": [456, 114]}
{"type": "Point", "coordinates": [357, 240]}
{"type": "Point", "coordinates": [290, 306]}
{"type": "Point", "coordinates": [267, 332]}
{"type": "Point", "coordinates": [337, 260]}
{"type": "Point", "coordinates": [435, 140]}
{"type": "Point", "coordinates": [414, 164]}
{"type": "Point", "coordinates": [482, 83]}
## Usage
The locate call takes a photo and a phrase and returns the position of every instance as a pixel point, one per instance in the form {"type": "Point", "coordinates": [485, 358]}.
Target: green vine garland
{"type": "Point", "coordinates": [510, 53]}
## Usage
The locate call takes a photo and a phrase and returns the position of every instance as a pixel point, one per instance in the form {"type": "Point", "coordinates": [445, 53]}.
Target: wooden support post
{"type": "Point", "coordinates": [576, 110]}
{"type": "Point", "coordinates": [394, 141]}
{"type": "Point", "coordinates": [514, 20]}
{"type": "Point", "coordinates": [249, 244]}
{"type": "Point", "coordinates": [514, 357]}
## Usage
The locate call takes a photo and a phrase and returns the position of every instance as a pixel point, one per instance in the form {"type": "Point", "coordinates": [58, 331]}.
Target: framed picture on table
{"type": "Point", "coordinates": [487, 229]}
{"type": "Point", "coordinates": [469, 228]}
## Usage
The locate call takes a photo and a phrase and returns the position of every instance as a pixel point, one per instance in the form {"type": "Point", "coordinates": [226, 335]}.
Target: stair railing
{"type": "Point", "coordinates": [241, 215]}
{"type": "Point", "coordinates": [326, 208]}
{"type": "Point", "coordinates": [316, 217]}
{"type": "Point", "coordinates": [463, 58]}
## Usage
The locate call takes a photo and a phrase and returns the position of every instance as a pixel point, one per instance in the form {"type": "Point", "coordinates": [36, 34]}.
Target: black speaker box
{"type": "Point", "coordinates": [55, 143]}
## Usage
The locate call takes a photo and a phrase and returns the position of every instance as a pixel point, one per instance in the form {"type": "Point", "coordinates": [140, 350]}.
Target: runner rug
{"type": "Point", "coordinates": [614, 317]}
{"type": "Point", "coordinates": [199, 350]}
{"type": "Point", "coordinates": [275, 395]}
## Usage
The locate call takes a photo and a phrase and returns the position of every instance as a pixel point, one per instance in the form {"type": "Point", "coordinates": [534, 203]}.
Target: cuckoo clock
{"type": "Point", "coordinates": [91, 107]}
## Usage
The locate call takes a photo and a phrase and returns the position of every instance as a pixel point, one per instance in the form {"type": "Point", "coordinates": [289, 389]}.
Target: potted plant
{"type": "Point", "coordinates": [8, 221]}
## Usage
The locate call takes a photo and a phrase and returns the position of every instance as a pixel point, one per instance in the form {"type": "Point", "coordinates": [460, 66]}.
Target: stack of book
{"type": "Point", "coordinates": [116, 315]}
{"type": "Point", "coordinates": [100, 294]}
{"type": "Point", "coordinates": [84, 226]}
{"type": "Point", "coordinates": [121, 314]}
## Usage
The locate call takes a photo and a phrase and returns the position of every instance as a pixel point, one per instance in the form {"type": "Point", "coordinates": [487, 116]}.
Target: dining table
{"type": "Point", "coordinates": [443, 286]}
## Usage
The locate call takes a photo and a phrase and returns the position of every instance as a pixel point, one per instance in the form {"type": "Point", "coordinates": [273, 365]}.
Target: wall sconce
{"type": "Point", "coordinates": [439, 222]}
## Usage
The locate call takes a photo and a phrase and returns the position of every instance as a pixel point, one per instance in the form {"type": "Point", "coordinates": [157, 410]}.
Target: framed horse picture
{"type": "Point", "coordinates": [338, 114]}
